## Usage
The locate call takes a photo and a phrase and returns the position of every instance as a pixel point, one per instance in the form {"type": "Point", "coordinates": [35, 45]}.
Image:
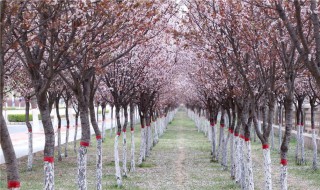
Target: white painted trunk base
{"type": "Point", "coordinates": [142, 146]}
{"type": "Point", "coordinates": [267, 168]}
{"type": "Point", "coordinates": [237, 162]}
{"type": "Point", "coordinates": [117, 164]}
{"type": "Point", "coordinates": [99, 164]}
{"type": "Point", "coordinates": [249, 172]}
{"type": "Point", "coordinates": [284, 177]}
{"type": "Point", "coordinates": [49, 175]}
{"type": "Point", "coordinates": [132, 164]}
{"type": "Point", "coordinates": [232, 155]}
{"type": "Point", "coordinates": [30, 151]}
{"type": "Point", "coordinates": [315, 148]}
{"type": "Point", "coordinates": [82, 168]}
{"type": "Point", "coordinates": [124, 155]}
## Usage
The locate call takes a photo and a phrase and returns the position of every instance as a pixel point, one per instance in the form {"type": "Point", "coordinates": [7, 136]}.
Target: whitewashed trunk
{"type": "Point", "coordinates": [99, 164]}
{"type": "Point", "coordinates": [155, 138]}
{"type": "Point", "coordinates": [284, 176]}
{"type": "Point", "coordinates": [30, 151]}
{"type": "Point", "coordinates": [221, 144]}
{"type": "Point", "coordinates": [249, 177]}
{"type": "Point", "coordinates": [232, 155]}
{"type": "Point", "coordinates": [132, 164]}
{"type": "Point", "coordinates": [225, 153]}
{"type": "Point", "coordinates": [67, 142]}
{"type": "Point", "coordinates": [117, 164]}
{"type": "Point", "coordinates": [315, 148]}
{"type": "Point", "coordinates": [150, 139]}
{"type": "Point", "coordinates": [82, 168]}
{"type": "Point", "coordinates": [242, 164]}
{"type": "Point", "coordinates": [142, 146]}
{"type": "Point", "coordinates": [124, 155]}
{"type": "Point", "coordinates": [267, 167]}
{"type": "Point", "coordinates": [147, 144]}
{"type": "Point", "coordinates": [49, 173]}
{"type": "Point", "coordinates": [237, 160]}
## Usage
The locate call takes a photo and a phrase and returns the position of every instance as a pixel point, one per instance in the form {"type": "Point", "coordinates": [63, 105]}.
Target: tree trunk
{"type": "Point", "coordinates": [75, 132]}
{"type": "Point", "coordinates": [6, 144]}
{"type": "Point", "coordinates": [103, 130]}
{"type": "Point", "coordinates": [84, 143]}
{"type": "Point", "coordinates": [280, 125]}
{"type": "Point", "coordinates": [314, 135]}
{"type": "Point", "coordinates": [30, 143]}
{"type": "Point", "coordinates": [142, 142]}
{"type": "Point", "coordinates": [67, 129]}
{"type": "Point", "coordinates": [250, 183]}
{"type": "Point", "coordinates": [59, 128]}
{"type": "Point", "coordinates": [267, 167]}
{"type": "Point", "coordinates": [49, 141]}
{"type": "Point", "coordinates": [99, 145]}
{"type": "Point", "coordinates": [124, 150]}
{"type": "Point", "coordinates": [111, 121]}
{"type": "Point", "coordinates": [13, 178]}
{"type": "Point", "coordinates": [213, 143]}
{"type": "Point", "coordinates": [99, 163]}
{"type": "Point", "coordinates": [286, 139]}
{"type": "Point", "coordinates": [116, 152]}
{"type": "Point", "coordinates": [132, 163]}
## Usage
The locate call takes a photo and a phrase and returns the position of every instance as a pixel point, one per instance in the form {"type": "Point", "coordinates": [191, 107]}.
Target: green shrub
{"type": "Point", "coordinates": [18, 117]}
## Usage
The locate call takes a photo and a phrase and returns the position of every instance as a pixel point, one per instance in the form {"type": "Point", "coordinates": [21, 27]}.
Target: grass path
{"type": "Point", "coordinates": [182, 160]}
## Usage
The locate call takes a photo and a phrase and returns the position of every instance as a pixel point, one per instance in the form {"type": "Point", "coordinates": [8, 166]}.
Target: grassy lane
{"type": "Point", "coordinates": [181, 160]}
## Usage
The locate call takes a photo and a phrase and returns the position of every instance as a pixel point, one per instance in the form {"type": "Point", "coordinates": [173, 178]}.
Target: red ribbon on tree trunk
{"type": "Point", "coordinates": [13, 184]}
{"type": "Point", "coordinates": [48, 159]}
{"type": "Point", "coordinates": [82, 143]}
{"type": "Point", "coordinates": [284, 162]}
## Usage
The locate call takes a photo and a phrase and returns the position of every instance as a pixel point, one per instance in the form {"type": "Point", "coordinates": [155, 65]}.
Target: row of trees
{"type": "Point", "coordinates": [247, 58]}
{"type": "Point", "coordinates": [88, 53]}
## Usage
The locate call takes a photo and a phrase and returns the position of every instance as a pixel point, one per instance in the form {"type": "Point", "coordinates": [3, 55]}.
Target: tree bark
{"type": "Point", "coordinates": [13, 178]}
{"type": "Point", "coordinates": [111, 121]}
{"type": "Point", "coordinates": [103, 130]}
{"type": "Point", "coordinates": [59, 127]}
{"type": "Point", "coordinates": [132, 163]}
{"type": "Point", "coordinates": [314, 135]}
{"type": "Point", "coordinates": [286, 139]}
{"type": "Point", "coordinates": [142, 141]}
{"type": "Point", "coordinates": [99, 145]}
{"type": "Point", "coordinates": [116, 152]}
{"type": "Point", "coordinates": [30, 143]}
{"type": "Point", "coordinates": [67, 128]}
{"type": "Point", "coordinates": [84, 143]}
{"type": "Point", "coordinates": [76, 131]}
{"type": "Point", "coordinates": [49, 141]}
{"type": "Point", "coordinates": [124, 150]}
